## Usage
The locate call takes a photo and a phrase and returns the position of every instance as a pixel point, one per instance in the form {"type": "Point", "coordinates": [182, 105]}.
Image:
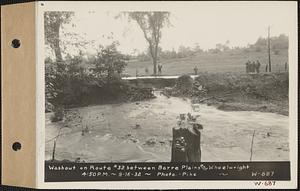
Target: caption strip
{"type": "Point", "coordinates": [61, 172]}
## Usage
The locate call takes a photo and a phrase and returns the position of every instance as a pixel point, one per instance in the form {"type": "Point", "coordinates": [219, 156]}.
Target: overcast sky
{"type": "Point", "coordinates": [203, 23]}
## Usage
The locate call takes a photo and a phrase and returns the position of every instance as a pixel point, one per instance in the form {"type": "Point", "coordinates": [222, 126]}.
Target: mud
{"type": "Point", "coordinates": [142, 132]}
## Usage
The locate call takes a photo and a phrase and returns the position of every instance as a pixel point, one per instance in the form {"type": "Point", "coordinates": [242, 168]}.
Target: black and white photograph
{"type": "Point", "coordinates": [149, 94]}
{"type": "Point", "coordinates": [197, 84]}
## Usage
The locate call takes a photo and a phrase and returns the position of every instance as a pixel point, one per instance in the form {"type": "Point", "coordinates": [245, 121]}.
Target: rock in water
{"type": "Point", "coordinates": [137, 126]}
{"type": "Point", "coordinates": [151, 141]}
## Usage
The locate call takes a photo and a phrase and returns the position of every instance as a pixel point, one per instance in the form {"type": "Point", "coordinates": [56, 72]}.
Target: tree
{"type": "Point", "coordinates": [184, 52]}
{"type": "Point", "coordinates": [53, 21]}
{"type": "Point", "coordinates": [197, 48]}
{"type": "Point", "coordinates": [151, 24]}
{"type": "Point", "coordinates": [109, 63]}
{"type": "Point", "coordinates": [223, 47]}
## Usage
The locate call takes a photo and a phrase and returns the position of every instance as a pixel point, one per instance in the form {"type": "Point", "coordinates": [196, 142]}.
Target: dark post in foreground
{"type": "Point", "coordinates": [186, 141]}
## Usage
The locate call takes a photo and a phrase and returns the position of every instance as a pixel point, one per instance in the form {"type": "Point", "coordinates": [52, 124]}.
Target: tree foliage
{"type": "Point", "coordinates": [183, 52]}
{"type": "Point", "coordinates": [53, 22]}
{"type": "Point", "coordinates": [72, 81]}
{"type": "Point", "coordinates": [151, 24]}
{"type": "Point", "coordinates": [278, 43]}
{"type": "Point", "coordinates": [65, 81]}
{"type": "Point", "coordinates": [109, 63]}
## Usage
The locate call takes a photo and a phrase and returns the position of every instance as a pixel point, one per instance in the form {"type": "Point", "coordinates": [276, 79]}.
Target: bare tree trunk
{"type": "Point", "coordinates": [57, 51]}
{"type": "Point", "coordinates": [269, 50]}
{"type": "Point", "coordinates": [154, 66]}
{"type": "Point", "coordinates": [56, 43]}
{"type": "Point", "coordinates": [155, 59]}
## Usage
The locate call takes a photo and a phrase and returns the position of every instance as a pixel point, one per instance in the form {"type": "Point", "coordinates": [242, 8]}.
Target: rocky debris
{"type": "Point", "coordinates": [133, 139]}
{"type": "Point", "coordinates": [78, 160]}
{"type": "Point", "coordinates": [127, 135]}
{"type": "Point", "coordinates": [130, 137]}
{"type": "Point", "coordinates": [162, 142]}
{"type": "Point", "coordinates": [151, 141]}
{"type": "Point", "coordinates": [136, 126]}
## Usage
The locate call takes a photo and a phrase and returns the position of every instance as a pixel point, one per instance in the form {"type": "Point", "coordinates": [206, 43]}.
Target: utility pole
{"type": "Point", "coordinates": [269, 50]}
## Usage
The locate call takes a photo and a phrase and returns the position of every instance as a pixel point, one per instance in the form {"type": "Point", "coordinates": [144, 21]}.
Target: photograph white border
{"type": "Point", "coordinates": [163, 5]}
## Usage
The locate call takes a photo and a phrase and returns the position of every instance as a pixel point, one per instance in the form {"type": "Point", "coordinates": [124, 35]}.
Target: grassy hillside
{"type": "Point", "coordinates": [227, 61]}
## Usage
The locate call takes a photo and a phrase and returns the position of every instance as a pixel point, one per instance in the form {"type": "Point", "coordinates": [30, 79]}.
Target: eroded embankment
{"type": "Point", "coordinates": [238, 92]}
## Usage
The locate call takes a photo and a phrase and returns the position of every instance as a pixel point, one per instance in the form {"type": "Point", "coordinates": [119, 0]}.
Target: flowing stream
{"type": "Point", "coordinates": [142, 131]}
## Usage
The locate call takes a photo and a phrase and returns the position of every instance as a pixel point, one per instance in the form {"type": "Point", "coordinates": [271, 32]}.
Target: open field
{"type": "Point", "coordinates": [231, 61]}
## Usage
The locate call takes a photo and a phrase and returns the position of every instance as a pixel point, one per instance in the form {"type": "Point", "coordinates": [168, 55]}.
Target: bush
{"type": "Point", "coordinates": [58, 114]}
{"type": "Point", "coordinates": [183, 87]}
{"type": "Point", "coordinates": [70, 84]}
{"type": "Point", "coordinates": [184, 83]}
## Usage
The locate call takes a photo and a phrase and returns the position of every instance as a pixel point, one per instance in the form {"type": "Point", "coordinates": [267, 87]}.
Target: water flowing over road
{"type": "Point", "coordinates": [142, 131]}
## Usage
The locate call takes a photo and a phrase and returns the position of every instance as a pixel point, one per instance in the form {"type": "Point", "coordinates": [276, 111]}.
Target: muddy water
{"type": "Point", "coordinates": [142, 131]}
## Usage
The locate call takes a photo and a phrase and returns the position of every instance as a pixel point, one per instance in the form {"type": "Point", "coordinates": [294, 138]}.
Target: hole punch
{"type": "Point", "coordinates": [16, 146]}
{"type": "Point", "coordinates": [16, 43]}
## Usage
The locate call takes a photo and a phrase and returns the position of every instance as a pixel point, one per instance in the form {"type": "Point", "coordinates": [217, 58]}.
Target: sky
{"type": "Point", "coordinates": [205, 24]}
